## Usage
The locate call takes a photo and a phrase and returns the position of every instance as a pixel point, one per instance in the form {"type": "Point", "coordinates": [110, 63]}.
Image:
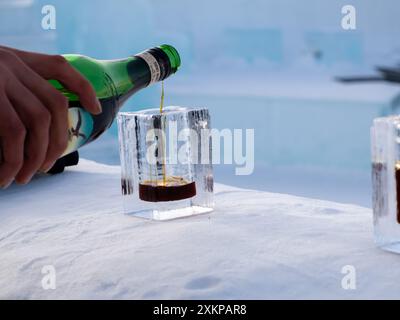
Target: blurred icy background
{"type": "Point", "coordinates": [262, 64]}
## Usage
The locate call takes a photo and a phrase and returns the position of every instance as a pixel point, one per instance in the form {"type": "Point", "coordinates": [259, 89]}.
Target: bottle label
{"type": "Point", "coordinates": [80, 127]}
{"type": "Point", "coordinates": [155, 70]}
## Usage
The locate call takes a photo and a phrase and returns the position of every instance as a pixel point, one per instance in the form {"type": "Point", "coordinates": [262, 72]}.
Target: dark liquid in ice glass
{"type": "Point", "coordinates": [168, 189]}
{"type": "Point", "coordinates": [397, 170]}
{"type": "Point", "coordinates": [380, 191]}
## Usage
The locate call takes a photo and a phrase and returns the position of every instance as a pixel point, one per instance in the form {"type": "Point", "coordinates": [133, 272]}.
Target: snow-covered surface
{"type": "Point", "coordinates": [255, 245]}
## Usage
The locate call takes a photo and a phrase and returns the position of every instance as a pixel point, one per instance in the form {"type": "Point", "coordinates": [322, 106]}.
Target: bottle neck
{"type": "Point", "coordinates": [139, 71]}
{"type": "Point", "coordinates": [159, 63]}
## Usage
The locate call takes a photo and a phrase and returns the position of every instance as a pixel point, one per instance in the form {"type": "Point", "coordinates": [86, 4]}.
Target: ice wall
{"type": "Point", "coordinates": [255, 34]}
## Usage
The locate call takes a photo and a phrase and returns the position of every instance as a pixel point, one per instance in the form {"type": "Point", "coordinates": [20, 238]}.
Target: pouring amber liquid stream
{"type": "Point", "coordinates": [163, 151]}
{"type": "Point", "coordinates": [170, 188]}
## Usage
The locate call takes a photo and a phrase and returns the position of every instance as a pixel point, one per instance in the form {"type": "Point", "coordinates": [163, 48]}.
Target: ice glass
{"type": "Point", "coordinates": [385, 142]}
{"type": "Point", "coordinates": [166, 162]}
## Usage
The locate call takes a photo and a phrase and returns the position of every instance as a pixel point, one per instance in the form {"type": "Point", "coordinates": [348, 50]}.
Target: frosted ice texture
{"type": "Point", "coordinates": [385, 156]}
{"type": "Point", "coordinates": [194, 145]}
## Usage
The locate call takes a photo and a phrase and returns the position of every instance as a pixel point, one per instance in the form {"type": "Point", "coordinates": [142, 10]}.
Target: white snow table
{"type": "Point", "coordinates": [255, 245]}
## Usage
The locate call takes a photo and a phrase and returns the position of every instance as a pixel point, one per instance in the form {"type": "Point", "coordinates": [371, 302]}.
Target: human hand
{"type": "Point", "coordinates": [33, 114]}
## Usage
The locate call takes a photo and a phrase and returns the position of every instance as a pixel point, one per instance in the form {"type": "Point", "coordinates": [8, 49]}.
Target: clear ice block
{"type": "Point", "coordinates": [166, 162]}
{"type": "Point", "coordinates": [385, 143]}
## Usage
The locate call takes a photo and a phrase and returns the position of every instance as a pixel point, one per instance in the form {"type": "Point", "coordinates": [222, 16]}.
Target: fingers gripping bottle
{"type": "Point", "coordinates": [114, 81]}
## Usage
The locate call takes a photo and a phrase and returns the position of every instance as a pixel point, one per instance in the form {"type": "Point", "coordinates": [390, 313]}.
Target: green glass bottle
{"type": "Point", "coordinates": [114, 82]}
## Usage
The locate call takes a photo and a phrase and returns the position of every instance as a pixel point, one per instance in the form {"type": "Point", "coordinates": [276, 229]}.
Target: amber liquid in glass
{"type": "Point", "coordinates": [170, 188]}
